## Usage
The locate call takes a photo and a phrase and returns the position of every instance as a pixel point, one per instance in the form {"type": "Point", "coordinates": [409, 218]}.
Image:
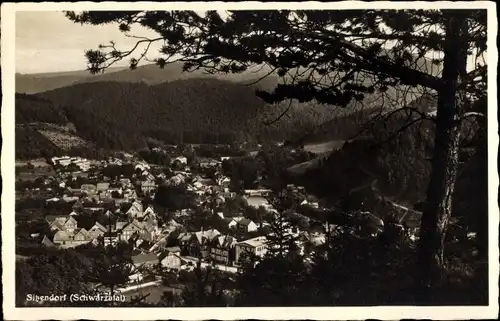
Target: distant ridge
{"type": "Point", "coordinates": [148, 74]}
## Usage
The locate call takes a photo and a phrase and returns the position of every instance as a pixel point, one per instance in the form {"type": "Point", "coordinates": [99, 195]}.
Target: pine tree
{"type": "Point", "coordinates": [338, 57]}
{"type": "Point", "coordinates": [281, 240]}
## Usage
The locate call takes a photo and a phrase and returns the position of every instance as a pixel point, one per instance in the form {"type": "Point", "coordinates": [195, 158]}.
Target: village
{"type": "Point", "coordinates": [111, 207]}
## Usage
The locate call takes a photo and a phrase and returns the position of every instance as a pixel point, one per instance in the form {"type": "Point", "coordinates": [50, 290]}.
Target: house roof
{"type": "Point", "coordinates": [88, 186]}
{"type": "Point", "coordinates": [133, 226]}
{"type": "Point", "coordinates": [84, 232]}
{"type": "Point", "coordinates": [225, 241]}
{"type": "Point", "coordinates": [100, 226]}
{"type": "Point", "coordinates": [255, 242]}
{"type": "Point", "coordinates": [184, 236]}
{"type": "Point", "coordinates": [245, 222]}
{"type": "Point", "coordinates": [173, 249]}
{"type": "Point", "coordinates": [209, 235]}
{"type": "Point", "coordinates": [62, 236]}
{"type": "Point", "coordinates": [46, 241]}
{"type": "Point", "coordinates": [148, 226]}
{"type": "Point", "coordinates": [144, 258]}
{"type": "Point", "coordinates": [120, 224]}
{"type": "Point", "coordinates": [102, 186]}
{"type": "Point", "coordinates": [77, 204]}
{"type": "Point", "coordinates": [136, 206]}
{"type": "Point", "coordinates": [172, 222]}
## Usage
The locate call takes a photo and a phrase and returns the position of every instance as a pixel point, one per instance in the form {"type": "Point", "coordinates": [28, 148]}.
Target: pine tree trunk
{"type": "Point", "coordinates": [438, 208]}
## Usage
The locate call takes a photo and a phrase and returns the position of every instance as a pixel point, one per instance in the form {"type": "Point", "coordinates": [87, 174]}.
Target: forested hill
{"type": "Point", "coordinates": [121, 115]}
{"type": "Point", "coordinates": [391, 162]}
{"type": "Point", "coordinates": [190, 110]}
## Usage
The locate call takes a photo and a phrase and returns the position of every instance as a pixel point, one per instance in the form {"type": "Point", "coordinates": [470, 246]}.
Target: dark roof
{"type": "Point", "coordinates": [46, 241]}
{"type": "Point", "coordinates": [245, 222]}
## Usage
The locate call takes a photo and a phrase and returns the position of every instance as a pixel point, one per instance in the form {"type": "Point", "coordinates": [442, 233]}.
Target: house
{"type": "Point", "coordinates": [206, 163]}
{"type": "Point", "coordinates": [148, 186]}
{"type": "Point", "coordinates": [171, 258]}
{"type": "Point", "coordinates": [131, 229]}
{"type": "Point", "coordinates": [247, 225]}
{"type": "Point", "coordinates": [149, 213]}
{"type": "Point", "coordinates": [69, 239]}
{"type": "Point", "coordinates": [222, 249]}
{"type": "Point", "coordinates": [119, 225]}
{"type": "Point", "coordinates": [97, 230]}
{"type": "Point", "coordinates": [149, 230]}
{"type": "Point", "coordinates": [228, 195]}
{"type": "Point", "coordinates": [171, 226]}
{"type": "Point", "coordinates": [141, 167]}
{"type": "Point", "coordinates": [89, 189]}
{"type": "Point", "coordinates": [255, 246]}
{"type": "Point", "coordinates": [102, 187]}
{"type": "Point", "coordinates": [80, 237]}
{"type": "Point", "coordinates": [197, 243]}
{"type": "Point", "coordinates": [136, 210]}
{"type": "Point", "coordinates": [62, 238]}
{"type": "Point", "coordinates": [224, 181]}
{"type": "Point", "coordinates": [142, 245]}
{"type": "Point", "coordinates": [125, 182]}
{"type": "Point", "coordinates": [230, 222]}
{"type": "Point", "coordinates": [77, 206]}
{"type": "Point", "coordinates": [176, 180]}
{"type": "Point", "coordinates": [219, 200]}
{"type": "Point", "coordinates": [69, 199]}
{"type": "Point", "coordinates": [257, 192]}
{"type": "Point", "coordinates": [110, 240]}
{"type": "Point", "coordinates": [180, 159]}
{"type": "Point", "coordinates": [61, 223]}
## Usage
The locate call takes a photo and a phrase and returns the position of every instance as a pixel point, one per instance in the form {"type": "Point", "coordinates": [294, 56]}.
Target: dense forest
{"type": "Point", "coordinates": [120, 115]}
{"type": "Point", "coordinates": [31, 144]}
{"type": "Point", "coordinates": [391, 163]}
{"type": "Point", "coordinates": [33, 109]}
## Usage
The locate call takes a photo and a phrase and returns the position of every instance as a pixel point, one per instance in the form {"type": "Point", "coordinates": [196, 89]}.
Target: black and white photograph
{"type": "Point", "coordinates": [250, 155]}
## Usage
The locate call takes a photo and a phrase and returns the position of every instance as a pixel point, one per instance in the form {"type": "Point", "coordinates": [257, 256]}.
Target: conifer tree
{"type": "Point", "coordinates": [336, 57]}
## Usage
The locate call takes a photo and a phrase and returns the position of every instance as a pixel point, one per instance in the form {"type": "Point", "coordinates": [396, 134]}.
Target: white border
{"type": "Point", "coordinates": [319, 313]}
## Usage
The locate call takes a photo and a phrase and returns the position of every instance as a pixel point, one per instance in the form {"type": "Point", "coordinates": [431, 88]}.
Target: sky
{"type": "Point", "coordinates": [47, 41]}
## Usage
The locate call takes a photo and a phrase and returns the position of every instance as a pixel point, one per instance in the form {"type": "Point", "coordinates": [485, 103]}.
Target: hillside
{"type": "Point", "coordinates": [32, 144]}
{"type": "Point", "coordinates": [147, 74]}
{"type": "Point", "coordinates": [190, 110]}
{"type": "Point", "coordinates": [399, 167]}
{"type": "Point", "coordinates": [33, 109]}
{"type": "Point", "coordinates": [40, 82]}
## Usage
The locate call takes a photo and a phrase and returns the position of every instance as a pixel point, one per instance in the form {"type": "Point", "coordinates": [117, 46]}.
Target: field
{"type": "Point", "coordinates": [324, 147]}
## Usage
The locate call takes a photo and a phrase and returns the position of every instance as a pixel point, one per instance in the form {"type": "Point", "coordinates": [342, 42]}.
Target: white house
{"type": "Point", "coordinates": [181, 159]}
{"type": "Point", "coordinates": [171, 258]}
{"type": "Point", "coordinates": [136, 210]}
{"type": "Point", "coordinates": [247, 225]}
{"type": "Point", "coordinates": [256, 246]}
